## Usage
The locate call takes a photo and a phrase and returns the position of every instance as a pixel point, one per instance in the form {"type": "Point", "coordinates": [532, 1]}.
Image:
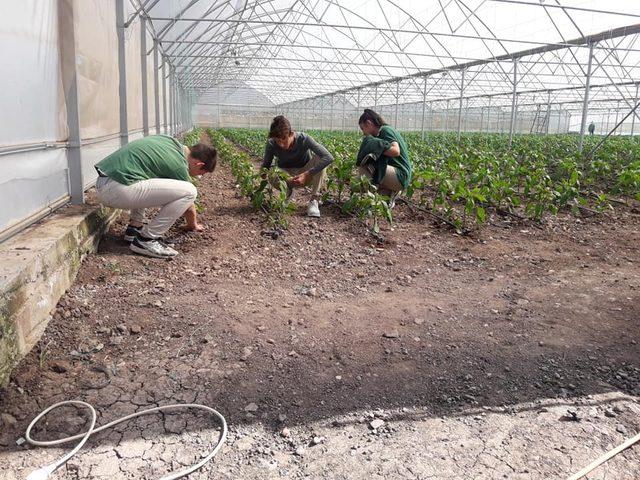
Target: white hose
{"type": "Point", "coordinates": [44, 472]}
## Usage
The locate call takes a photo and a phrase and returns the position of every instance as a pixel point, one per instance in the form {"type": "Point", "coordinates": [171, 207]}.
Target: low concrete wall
{"type": "Point", "coordinates": [36, 268]}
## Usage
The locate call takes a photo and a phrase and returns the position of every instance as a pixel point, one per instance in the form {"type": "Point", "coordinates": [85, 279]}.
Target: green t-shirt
{"type": "Point", "coordinates": [155, 156]}
{"type": "Point", "coordinates": [402, 162]}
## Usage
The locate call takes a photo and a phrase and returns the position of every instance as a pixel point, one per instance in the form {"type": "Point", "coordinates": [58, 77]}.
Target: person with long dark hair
{"type": "Point", "coordinates": [392, 172]}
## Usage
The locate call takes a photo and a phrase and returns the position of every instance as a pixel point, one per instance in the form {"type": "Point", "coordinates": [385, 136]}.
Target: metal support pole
{"type": "Point", "coordinates": [618, 113]}
{"type": "Point", "coordinates": [633, 118]}
{"type": "Point", "coordinates": [585, 101]}
{"type": "Point", "coordinates": [67, 45]}
{"type": "Point", "coordinates": [559, 118]}
{"type": "Point", "coordinates": [481, 118]}
{"type": "Point", "coordinates": [536, 118]}
{"type": "Point", "coordinates": [424, 107]}
{"type": "Point", "coordinates": [143, 74]}
{"type": "Point", "coordinates": [513, 101]}
{"type": "Point", "coordinates": [156, 85]}
{"type": "Point", "coordinates": [171, 103]}
{"type": "Point", "coordinates": [433, 123]}
{"type": "Point", "coordinates": [122, 73]}
{"type": "Point", "coordinates": [331, 112]}
{"type": "Point", "coordinates": [305, 114]}
{"type": "Point", "coordinates": [321, 112]}
{"type": "Point", "coordinates": [344, 104]}
{"type": "Point", "coordinates": [467, 115]}
{"type": "Point", "coordinates": [548, 114]}
{"type": "Point", "coordinates": [357, 111]}
{"type": "Point", "coordinates": [218, 109]}
{"type": "Point", "coordinates": [395, 122]}
{"type": "Point", "coordinates": [460, 105]}
{"type": "Point", "coordinates": [375, 99]}
{"type": "Point", "coordinates": [164, 95]}
{"type": "Point", "coordinates": [488, 118]}
{"type": "Point", "coordinates": [446, 118]}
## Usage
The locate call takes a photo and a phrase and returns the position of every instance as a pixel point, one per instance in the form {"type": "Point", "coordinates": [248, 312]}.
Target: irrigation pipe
{"type": "Point", "coordinates": [610, 454]}
{"type": "Point", "coordinates": [44, 472]}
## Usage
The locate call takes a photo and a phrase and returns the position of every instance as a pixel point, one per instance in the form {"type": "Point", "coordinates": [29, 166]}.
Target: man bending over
{"type": "Point", "coordinates": [154, 172]}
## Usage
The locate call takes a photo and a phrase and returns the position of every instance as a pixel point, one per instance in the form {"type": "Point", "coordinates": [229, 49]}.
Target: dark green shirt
{"type": "Point", "coordinates": [155, 156]}
{"type": "Point", "coordinates": [401, 162]}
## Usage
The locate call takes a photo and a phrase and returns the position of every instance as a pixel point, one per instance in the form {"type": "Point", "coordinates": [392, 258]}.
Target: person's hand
{"type": "Point", "coordinates": [301, 180]}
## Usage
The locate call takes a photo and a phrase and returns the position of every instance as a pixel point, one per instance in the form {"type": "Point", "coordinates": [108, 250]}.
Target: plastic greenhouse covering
{"type": "Point", "coordinates": [83, 77]}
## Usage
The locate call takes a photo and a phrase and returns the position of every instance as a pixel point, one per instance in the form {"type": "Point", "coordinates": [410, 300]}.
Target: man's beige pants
{"type": "Point", "coordinates": [173, 197]}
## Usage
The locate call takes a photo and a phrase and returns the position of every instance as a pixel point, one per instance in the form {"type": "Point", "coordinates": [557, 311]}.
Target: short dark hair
{"type": "Point", "coordinates": [373, 117]}
{"type": "Point", "coordinates": [206, 154]}
{"type": "Point", "coordinates": [280, 127]}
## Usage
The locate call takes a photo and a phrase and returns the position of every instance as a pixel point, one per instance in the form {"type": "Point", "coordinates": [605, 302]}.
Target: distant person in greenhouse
{"type": "Point", "coordinates": [154, 171]}
{"type": "Point", "coordinates": [592, 128]}
{"type": "Point", "coordinates": [388, 168]}
{"type": "Point", "coordinates": [299, 155]}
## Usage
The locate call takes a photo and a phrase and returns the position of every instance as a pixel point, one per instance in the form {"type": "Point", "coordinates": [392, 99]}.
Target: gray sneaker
{"type": "Point", "coordinates": [392, 200]}
{"type": "Point", "coordinates": [152, 248]}
{"type": "Point", "coordinates": [313, 210]}
{"type": "Point", "coordinates": [131, 233]}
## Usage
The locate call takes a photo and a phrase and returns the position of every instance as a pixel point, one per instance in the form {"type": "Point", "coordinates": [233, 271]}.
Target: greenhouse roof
{"type": "Point", "coordinates": [301, 49]}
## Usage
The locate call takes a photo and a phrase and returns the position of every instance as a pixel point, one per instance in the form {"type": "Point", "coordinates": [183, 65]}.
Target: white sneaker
{"type": "Point", "coordinates": [152, 248]}
{"type": "Point", "coordinates": [392, 200]}
{"type": "Point", "coordinates": [313, 210]}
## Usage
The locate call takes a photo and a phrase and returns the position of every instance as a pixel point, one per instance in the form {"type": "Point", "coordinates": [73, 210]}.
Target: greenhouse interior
{"type": "Point", "coordinates": [444, 283]}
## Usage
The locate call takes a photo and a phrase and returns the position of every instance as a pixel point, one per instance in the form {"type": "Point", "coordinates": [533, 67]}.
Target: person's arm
{"type": "Point", "coordinates": [325, 157]}
{"type": "Point", "coordinates": [191, 216]}
{"type": "Point", "coordinates": [268, 155]}
{"type": "Point", "coordinates": [394, 150]}
{"type": "Point", "coordinates": [388, 134]}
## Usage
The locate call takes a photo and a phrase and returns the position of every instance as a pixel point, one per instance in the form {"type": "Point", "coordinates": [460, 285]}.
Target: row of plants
{"type": "Point", "coordinates": [266, 189]}
{"type": "Point", "coordinates": [537, 176]}
{"type": "Point", "coordinates": [461, 179]}
{"type": "Point", "coordinates": [189, 139]}
{"type": "Point", "coordinates": [192, 137]}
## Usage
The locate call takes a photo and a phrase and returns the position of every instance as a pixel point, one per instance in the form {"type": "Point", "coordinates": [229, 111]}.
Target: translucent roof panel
{"type": "Point", "coordinates": [291, 50]}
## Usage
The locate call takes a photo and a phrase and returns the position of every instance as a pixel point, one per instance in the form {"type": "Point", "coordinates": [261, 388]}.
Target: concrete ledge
{"type": "Point", "coordinates": [36, 267]}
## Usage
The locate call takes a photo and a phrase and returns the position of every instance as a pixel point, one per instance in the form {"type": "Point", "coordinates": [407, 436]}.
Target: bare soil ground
{"type": "Point", "coordinates": [469, 350]}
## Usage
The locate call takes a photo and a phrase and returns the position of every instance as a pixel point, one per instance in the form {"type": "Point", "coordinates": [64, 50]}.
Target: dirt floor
{"type": "Point", "coordinates": [512, 353]}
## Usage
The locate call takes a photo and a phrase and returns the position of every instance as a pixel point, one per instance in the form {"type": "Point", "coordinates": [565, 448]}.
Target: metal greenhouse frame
{"type": "Point", "coordinates": [510, 66]}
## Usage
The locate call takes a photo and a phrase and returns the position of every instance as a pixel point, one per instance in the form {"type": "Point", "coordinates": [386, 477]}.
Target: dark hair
{"type": "Point", "coordinates": [205, 154]}
{"type": "Point", "coordinates": [373, 117]}
{"type": "Point", "coordinates": [280, 127]}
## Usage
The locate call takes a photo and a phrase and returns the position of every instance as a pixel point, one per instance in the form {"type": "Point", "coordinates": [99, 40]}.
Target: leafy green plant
{"type": "Point", "coordinates": [266, 189]}
{"type": "Point", "coordinates": [463, 181]}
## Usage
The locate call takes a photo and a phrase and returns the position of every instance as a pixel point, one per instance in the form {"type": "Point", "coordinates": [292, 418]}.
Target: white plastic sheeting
{"type": "Point", "coordinates": [97, 67]}
{"type": "Point", "coordinates": [31, 181]}
{"type": "Point", "coordinates": [34, 174]}
{"type": "Point", "coordinates": [33, 110]}
{"type": "Point", "coordinates": [31, 100]}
